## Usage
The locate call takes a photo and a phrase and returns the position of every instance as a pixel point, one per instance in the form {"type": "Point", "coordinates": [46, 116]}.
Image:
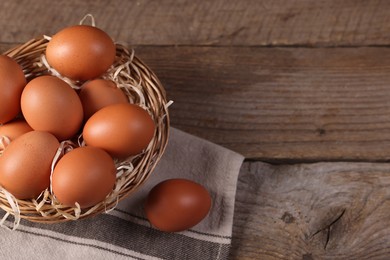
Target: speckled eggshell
{"type": "Point", "coordinates": [50, 104]}
{"type": "Point", "coordinates": [121, 130]}
{"type": "Point", "coordinates": [177, 204]}
{"type": "Point", "coordinates": [98, 93]}
{"type": "Point", "coordinates": [81, 52]}
{"type": "Point", "coordinates": [85, 175]}
{"type": "Point", "coordinates": [12, 82]}
{"type": "Point", "coordinates": [25, 165]}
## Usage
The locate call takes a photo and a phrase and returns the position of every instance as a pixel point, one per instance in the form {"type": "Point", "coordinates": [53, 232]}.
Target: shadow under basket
{"type": "Point", "coordinates": [142, 87]}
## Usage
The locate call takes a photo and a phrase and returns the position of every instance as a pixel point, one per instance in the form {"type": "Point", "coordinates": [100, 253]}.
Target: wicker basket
{"type": "Point", "coordinates": [142, 87]}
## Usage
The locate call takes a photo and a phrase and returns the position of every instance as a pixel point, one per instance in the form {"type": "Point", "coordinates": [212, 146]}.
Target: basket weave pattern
{"type": "Point", "coordinates": [142, 87]}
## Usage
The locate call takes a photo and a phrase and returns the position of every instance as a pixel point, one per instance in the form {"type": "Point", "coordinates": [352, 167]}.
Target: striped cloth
{"type": "Point", "coordinates": [125, 233]}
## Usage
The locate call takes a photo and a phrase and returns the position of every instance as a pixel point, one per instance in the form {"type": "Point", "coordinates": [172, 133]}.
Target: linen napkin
{"type": "Point", "coordinates": [125, 233]}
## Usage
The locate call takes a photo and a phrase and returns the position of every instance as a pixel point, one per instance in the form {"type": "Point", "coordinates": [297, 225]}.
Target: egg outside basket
{"type": "Point", "coordinates": [142, 87]}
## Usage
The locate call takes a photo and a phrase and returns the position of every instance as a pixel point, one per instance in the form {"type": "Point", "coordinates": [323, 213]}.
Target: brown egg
{"type": "Point", "coordinates": [81, 52]}
{"type": "Point", "coordinates": [15, 128]}
{"type": "Point", "coordinates": [122, 129]}
{"type": "Point", "coordinates": [177, 204]}
{"type": "Point", "coordinates": [99, 93]}
{"type": "Point", "coordinates": [50, 104]}
{"type": "Point", "coordinates": [12, 82]}
{"type": "Point", "coordinates": [25, 165]}
{"type": "Point", "coordinates": [85, 175]}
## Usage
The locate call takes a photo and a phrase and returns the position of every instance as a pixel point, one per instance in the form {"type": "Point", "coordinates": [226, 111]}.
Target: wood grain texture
{"type": "Point", "coordinates": [187, 22]}
{"type": "Point", "coordinates": [284, 104]}
{"type": "Point", "coordinates": [273, 104]}
{"type": "Point", "coordinates": [312, 211]}
{"type": "Point", "coordinates": [280, 104]}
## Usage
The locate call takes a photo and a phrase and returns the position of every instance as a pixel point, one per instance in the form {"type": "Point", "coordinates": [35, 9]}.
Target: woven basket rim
{"type": "Point", "coordinates": [142, 87]}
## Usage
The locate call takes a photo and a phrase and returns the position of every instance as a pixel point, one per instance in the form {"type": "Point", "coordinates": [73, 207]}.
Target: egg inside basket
{"type": "Point", "coordinates": [142, 87]}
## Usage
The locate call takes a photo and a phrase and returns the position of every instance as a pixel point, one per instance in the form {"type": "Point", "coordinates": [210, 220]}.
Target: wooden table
{"type": "Point", "coordinates": [301, 88]}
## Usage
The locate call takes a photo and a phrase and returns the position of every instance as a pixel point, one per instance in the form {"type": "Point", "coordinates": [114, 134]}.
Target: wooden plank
{"type": "Point", "coordinates": [312, 211]}
{"type": "Point", "coordinates": [297, 104]}
{"type": "Point", "coordinates": [187, 22]}
{"type": "Point", "coordinates": [280, 104]}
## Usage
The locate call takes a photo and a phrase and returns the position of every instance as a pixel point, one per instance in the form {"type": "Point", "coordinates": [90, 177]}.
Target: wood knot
{"type": "Point", "coordinates": [287, 218]}
{"type": "Point", "coordinates": [321, 131]}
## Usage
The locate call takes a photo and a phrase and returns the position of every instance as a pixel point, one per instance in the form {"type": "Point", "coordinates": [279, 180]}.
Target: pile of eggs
{"type": "Point", "coordinates": [36, 116]}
